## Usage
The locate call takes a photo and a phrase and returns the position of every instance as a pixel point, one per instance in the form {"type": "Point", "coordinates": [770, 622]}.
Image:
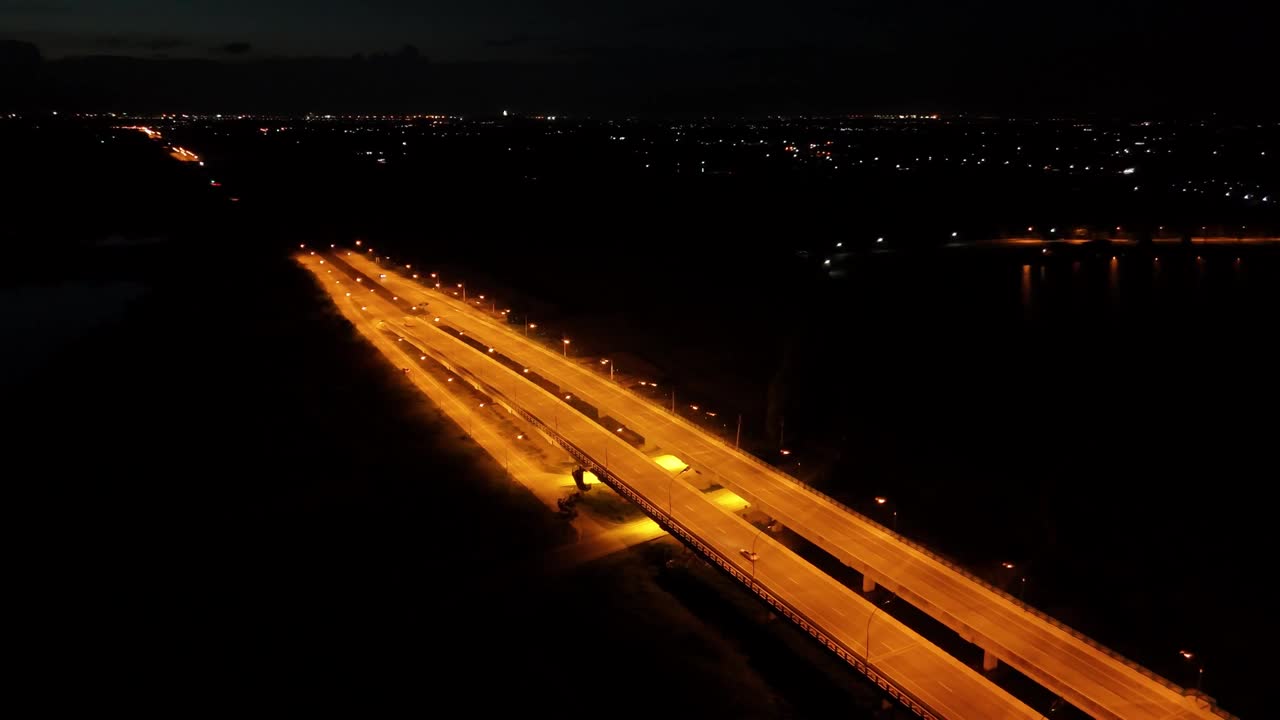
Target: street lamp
{"type": "Point", "coordinates": [606, 362]}
{"type": "Point", "coordinates": [881, 500]}
{"type": "Point", "coordinates": [1199, 666]}
{"type": "Point", "coordinates": [566, 347]}
{"type": "Point", "coordinates": [1022, 581]}
{"type": "Point", "coordinates": [866, 651]}
{"type": "Point", "coordinates": [670, 484]}
{"type": "Point", "coordinates": [464, 291]}
{"type": "Point", "coordinates": [753, 556]}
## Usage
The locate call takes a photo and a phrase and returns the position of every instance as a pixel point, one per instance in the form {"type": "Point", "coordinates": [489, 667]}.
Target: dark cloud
{"type": "Point", "coordinates": [509, 41]}
{"type": "Point", "coordinates": [15, 54]}
{"type": "Point", "coordinates": [150, 43]}
{"type": "Point", "coordinates": [33, 8]}
{"type": "Point", "coordinates": [233, 48]}
{"type": "Point", "coordinates": [688, 21]}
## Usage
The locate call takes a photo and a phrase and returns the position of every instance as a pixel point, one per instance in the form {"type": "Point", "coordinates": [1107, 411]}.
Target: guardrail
{"type": "Point", "coordinates": [951, 565]}
{"type": "Point", "coordinates": [690, 539]}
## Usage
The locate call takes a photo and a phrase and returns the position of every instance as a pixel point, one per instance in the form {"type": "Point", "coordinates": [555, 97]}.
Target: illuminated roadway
{"type": "Point", "coordinates": [946, 685]}
{"type": "Point", "coordinates": [1079, 672]}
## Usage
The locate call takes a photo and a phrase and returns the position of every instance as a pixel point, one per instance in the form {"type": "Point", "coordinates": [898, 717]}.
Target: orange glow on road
{"type": "Point", "coordinates": [670, 462]}
{"type": "Point", "coordinates": [1066, 663]}
{"type": "Point", "coordinates": [153, 134]}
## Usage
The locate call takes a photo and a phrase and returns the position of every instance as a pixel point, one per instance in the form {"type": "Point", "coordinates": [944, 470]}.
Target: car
{"type": "Point", "coordinates": [749, 555]}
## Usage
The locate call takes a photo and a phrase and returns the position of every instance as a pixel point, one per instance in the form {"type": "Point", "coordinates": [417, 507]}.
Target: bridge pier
{"type": "Point", "coordinates": [867, 583]}
{"type": "Point", "coordinates": [989, 661]}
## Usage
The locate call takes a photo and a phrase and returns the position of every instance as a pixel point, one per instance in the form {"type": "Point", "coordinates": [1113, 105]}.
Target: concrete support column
{"type": "Point", "coordinates": [868, 584]}
{"type": "Point", "coordinates": [989, 661]}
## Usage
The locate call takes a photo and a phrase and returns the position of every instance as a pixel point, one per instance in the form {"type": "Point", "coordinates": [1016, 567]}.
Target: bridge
{"type": "Point", "coordinates": [925, 678]}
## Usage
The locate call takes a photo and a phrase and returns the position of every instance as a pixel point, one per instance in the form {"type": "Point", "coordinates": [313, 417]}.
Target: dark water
{"type": "Point", "coordinates": [1104, 421]}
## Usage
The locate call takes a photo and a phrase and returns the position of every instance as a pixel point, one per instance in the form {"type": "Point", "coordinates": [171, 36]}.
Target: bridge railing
{"type": "Point", "coordinates": [948, 563]}
{"type": "Point", "coordinates": [689, 538]}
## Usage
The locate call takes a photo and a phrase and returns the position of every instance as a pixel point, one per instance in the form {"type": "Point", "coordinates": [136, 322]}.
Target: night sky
{"type": "Point", "coordinates": [1087, 56]}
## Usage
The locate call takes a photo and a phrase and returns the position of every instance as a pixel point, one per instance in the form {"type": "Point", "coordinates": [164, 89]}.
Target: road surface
{"type": "Point", "coordinates": [1082, 673]}
{"type": "Point", "coordinates": [946, 685]}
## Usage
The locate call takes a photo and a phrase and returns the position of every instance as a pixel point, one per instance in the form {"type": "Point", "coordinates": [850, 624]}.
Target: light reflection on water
{"type": "Point", "coordinates": [1126, 279]}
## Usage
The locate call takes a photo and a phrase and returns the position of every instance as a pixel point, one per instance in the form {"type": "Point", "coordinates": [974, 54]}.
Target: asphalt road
{"type": "Point", "coordinates": [953, 689]}
{"type": "Point", "coordinates": [1079, 672]}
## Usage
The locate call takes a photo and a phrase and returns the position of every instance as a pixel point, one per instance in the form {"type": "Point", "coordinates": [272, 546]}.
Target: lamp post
{"type": "Point", "coordinates": [464, 291]}
{"type": "Point", "coordinates": [881, 500]}
{"type": "Point", "coordinates": [670, 484]}
{"type": "Point", "coordinates": [606, 362]}
{"type": "Point", "coordinates": [866, 653]}
{"type": "Point", "coordinates": [1022, 581]}
{"type": "Point", "coordinates": [753, 556]}
{"type": "Point", "coordinates": [566, 347]}
{"type": "Point", "coordinates": [1198, 665]}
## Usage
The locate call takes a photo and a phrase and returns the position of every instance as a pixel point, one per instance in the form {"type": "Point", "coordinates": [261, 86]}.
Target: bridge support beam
{"type": "Point", "coordinates": [989, 661]}
{"type": "Point", "coordinates": [868, 584]}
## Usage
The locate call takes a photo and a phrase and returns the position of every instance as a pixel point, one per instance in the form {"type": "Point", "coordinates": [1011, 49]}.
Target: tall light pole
{"type": "Point", "coordinates": [528, 325]}
{"type": "Point", "coordinates": [566, 347]}
{"type": "Point", "coordinates": [670, 484]}
{"type": "Point", "coordinates": [1022, 581]}
{"type": "Point", "coordinates": [753, 556]}
{"type": "Point", "coordinates": [881, 500]}
{"type": "Point", "coordinates": [737, 439]}
{"type": "Point", "coordinates": [464, 291]}
{"type": "Point", "coordinates": [606, 362]}
{"type": "Point", "coordinates": [866, 653]}
{"type": "Point", "coordinates": [1199, 666]}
